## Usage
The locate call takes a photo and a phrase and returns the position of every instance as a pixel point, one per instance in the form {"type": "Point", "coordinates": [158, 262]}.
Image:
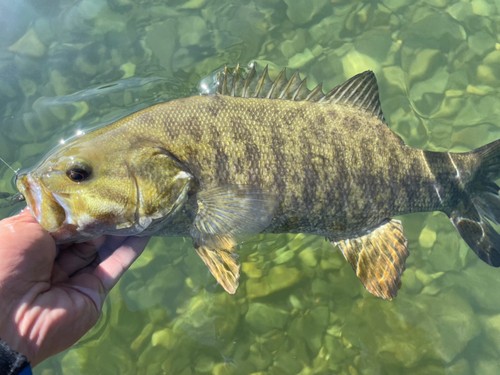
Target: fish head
{"type": "Point", "coordinates": [89, 188]}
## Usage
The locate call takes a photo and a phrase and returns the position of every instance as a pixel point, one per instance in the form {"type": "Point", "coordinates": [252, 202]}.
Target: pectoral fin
{"type": "Point", "coordinates": [378, 258]}
{"type": "Point", "coordinates": [223, 265]}
{"type": "Point", "coordinates": [227, 216]}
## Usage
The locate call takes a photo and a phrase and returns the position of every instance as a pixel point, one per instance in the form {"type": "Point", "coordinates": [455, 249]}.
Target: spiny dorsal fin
{"type": "Point", "coordinates": [378, 258]}
{"type": "Point", "coordinates": [360, 91]}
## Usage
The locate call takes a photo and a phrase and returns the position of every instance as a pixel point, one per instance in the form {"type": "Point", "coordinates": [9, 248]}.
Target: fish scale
{"type": "Point", "coordinates": [301, 150]}
{"type": "Point", "coordinates": [266, 156]}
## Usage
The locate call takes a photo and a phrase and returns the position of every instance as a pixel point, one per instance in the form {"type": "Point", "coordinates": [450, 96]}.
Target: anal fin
{"type": "Point", "coordinates": [378, 258]}
{"type": "Point", "coordinates": [223, 265]}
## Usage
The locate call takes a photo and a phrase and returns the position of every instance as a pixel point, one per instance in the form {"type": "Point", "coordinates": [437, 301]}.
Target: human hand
{"type": "Point", "coordinates": [50, 301]}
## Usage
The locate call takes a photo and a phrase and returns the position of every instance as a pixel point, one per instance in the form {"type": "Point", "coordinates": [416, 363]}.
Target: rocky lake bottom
{"type": "Point", "coordinates": [68, 67]}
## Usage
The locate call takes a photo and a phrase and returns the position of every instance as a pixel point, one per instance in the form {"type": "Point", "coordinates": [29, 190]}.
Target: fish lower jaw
{"type": "Point", "coordinates": [32, 192]}
{"type": "Point", "coordinates": [43, 206]}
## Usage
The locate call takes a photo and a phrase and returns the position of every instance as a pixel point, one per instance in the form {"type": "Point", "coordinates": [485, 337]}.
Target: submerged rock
{"type": "Point", "coordinates": [483, 8]}
{"type": "Point", "coordinates": [437, 3]}
{"type": "Point", "coordinates": [263, 318]}
{"type": "Point", "coordinates": [29, 45]}
{"type": "Point", "coordinates": [441, 327]}
{"type": "Point", "coordinates": [28, 86]}
{"type": "Point", "coordinates": [308, 258]}
{"type": "Point", "coordinates": [435, 85]}
{"type": "Point", "coordinates": [481, 42]}
{"type": "Point", "coordinates": [486, 366]}
{"type": "Point", "coordinates": [300, 59]}
{"type": "Point", "coordinates": [411, 282]}
{"type": "Point", "coordinates": [480, 283]}
{"type": "Point", "coordinates": [375, 43]}
{"type": "Point", "coordinates": [91, 9]}
{"type": "Point", "coordinates": [434, 31]}
{"type": "Point", "coordinates": [294, 45]}
{"type": "Point", "coordinates": [492, 58]}
{"type": "Point", "coordinates": [280, 277]}
{"type": "Point", "coordinates": [491, 327]}
{"type": "Point", "coordinates": [208, 318]}
{"type": "Point", "coordinates": [300, 12]}
{"type": "Point", "coordinates": [422, 63]}
{"type": "Point", "coordinates": [59, 83]}
{"type": "Point", "coordinates": [310, 328]}
{"type": "Point", "coordinates": [160, 38]}
{"type": "Point", "coordinates": [427, 238]}
{"type": "Point", "coordinates": [394, 5]}
{"type": "Point", "coordinates": [191, 31]}
{"type": "Point", "coordinates": [467, 137]}
{"type": "Point", "coordinates": [327, 31]}
{"type": "Point", "coordinates": [223, 369]}
{"type": "Point", "coordinates": [486, 75]}
{"type": "Point", "coordinates": [460, 10]}
{"type": "Point", "coordinates": [355, 62]}
{"type": "Point", "coordinates": [332, 260]}
{"type": "Point", "coordinates": [252, 269]}
{"type": "Point", "coordinates": [460, 367]}
{"type": "Point", "coordinates": [284, 255]}
{"type": "Point", "coordinates": [446, 255]}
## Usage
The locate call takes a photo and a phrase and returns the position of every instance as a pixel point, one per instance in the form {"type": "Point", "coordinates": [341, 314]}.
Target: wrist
{"type": "Point", "coordinates": [17, 345]}
{"type": "Point", "coordinates": [12, 362]}
{"type": "Point", "coordinates": [12, 336]}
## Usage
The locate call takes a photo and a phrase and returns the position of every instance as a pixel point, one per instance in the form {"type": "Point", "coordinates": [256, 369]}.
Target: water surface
{"type": "Point", "coordinates": [70, 66]}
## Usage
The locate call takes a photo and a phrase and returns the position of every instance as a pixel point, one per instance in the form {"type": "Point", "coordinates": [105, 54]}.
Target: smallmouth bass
{"type": "Point", "coordinates": [266, 156]}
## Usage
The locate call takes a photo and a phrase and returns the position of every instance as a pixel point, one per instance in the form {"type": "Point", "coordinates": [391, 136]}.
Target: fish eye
{"type": "Point", "coordinates": [78, 173]}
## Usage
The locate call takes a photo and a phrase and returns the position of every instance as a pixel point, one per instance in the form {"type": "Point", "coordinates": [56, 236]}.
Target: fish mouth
{"type": "Point", "coordinates": [43, 205]}
{"type": "Point", "coordinates": [32, 193]}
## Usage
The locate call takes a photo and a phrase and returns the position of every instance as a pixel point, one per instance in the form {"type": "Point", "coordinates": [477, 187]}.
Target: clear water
{"type": "Point", "coordinates": [299, 308]}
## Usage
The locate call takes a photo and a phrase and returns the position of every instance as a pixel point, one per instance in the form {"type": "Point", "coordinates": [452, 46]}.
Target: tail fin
{"type": "Point", "coordinates": [482, 202]}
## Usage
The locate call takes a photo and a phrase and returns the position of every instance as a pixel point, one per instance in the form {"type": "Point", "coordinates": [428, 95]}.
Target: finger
{"type": "Point", "coordinates": [112, 268]}
{"type": "Point", "coordinates": [96, 280]}
{"type": "Point", "coordinates": [108, 248]}
{"type": "Point", "coordinates": [25, 247]}
{"type": "Point", "coordinates": [78, 256]}
{"type": "Point", "coordinates": [84, 257]}
{"type": "Point", "coordinates": [90, 286]}
{"type": "Point", "coordinates": [20, 229]}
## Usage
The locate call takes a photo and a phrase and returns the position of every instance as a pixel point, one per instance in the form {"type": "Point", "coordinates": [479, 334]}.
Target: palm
{"type": "Point", "coordinates": [52, 300]}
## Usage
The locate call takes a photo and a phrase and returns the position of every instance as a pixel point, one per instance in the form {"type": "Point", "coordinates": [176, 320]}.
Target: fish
{"type": "Point", "coordinates": [264, 156]}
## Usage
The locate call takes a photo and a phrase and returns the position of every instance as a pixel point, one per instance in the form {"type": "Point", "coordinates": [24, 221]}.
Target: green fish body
{"type": "Point", "coordinates": [263, 156]}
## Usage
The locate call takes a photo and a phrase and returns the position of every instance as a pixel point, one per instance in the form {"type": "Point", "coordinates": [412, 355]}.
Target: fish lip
{"type": "Point", "coordinates": [32, 192]}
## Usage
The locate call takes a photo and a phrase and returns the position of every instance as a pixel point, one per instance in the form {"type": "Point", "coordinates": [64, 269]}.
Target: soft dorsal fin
{"type": "Point", "coordinates": [360, 91]}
